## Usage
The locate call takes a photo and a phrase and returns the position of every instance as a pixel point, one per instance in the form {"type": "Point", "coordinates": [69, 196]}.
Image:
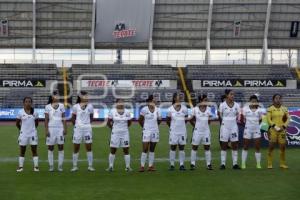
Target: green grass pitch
{"type": "Point", "coordinates": [246, 184]}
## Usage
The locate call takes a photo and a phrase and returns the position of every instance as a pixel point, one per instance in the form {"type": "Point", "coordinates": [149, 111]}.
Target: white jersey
{"type": "Point", "coordinates": [28, 122]}
{"type": "Point", "coordinates": [229, 114]}
{"type": "Point", "coordinates": [120, 121]}
{"type": "Point", "coordinates": [252, 118]}
{"type": "Point", "coordinates": [55, 115]}
{"type": "Point", "coordinates": [201, 118]}
{"type": "Point", "coordinates": [83, 119]}
{"type": "Point", "coordinates": [178, 126]}
{"type": "Point", "coordinates": [150, 122]}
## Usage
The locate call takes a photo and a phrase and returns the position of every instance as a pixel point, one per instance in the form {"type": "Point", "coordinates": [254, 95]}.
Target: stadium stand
{"type": "Point", "coordinates": [43, 74]}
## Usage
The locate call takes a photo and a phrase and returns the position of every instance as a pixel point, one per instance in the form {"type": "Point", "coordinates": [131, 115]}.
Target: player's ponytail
{"type": "Point", "coordinates": [175, 95]}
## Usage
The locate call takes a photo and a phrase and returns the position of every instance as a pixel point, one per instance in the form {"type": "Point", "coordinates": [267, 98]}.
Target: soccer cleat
{"type": "Point", "coordinates": [209, 167]}
{"type": "Point", "coordinates": [151, 169]}
{"type": "Point", "coordinates": [91, 169]}
{"type": "Point", "coordinates": [222, 167]}
{"type": "Point", "coordinates": [270, 166]}
{"type": "Point", "coordinates": [60, 169]}
{"type": "Point", "coordinates": [236, 167]}
{"type": "Point", "coordinates": [193, 167]}
{"type": "Point", "coordinates": [128, 169]}
{"type": "Point", "coordinates": [284, 166]}
{"type": "Point", "coordinates": [258, 166]}
{"type": "Point", "coordinates": [182, 168]}
{"type": "Point", "coordinates": [110, 169]}
{"type": "Point", "coordinates": [20, 169]}
{"type": "Point", "coordinates": [74, 169]}
{"type": "Point", "coordinates": [36, 169]}
{"type": "Point", "coordinates": [243, 166]}
{"type": "Point", "coordinates": [172, 168]}
{"type": "Point", "coordinates": [51, 169]}
{"type": "Point", "coordinates": [142, 169]}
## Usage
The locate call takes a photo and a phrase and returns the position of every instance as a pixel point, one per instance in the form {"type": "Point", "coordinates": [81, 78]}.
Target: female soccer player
{"type": "Point", "coordinates": [27, 122]}
{"type": "Point", "coordinates": [229, 112]}
{"type": "Point", "coordinates": [119, 120]}
{"type": "Point", "coordinates": [82, 118]}
{"type": "Point", "coordinates": [278, 119]}
{"type": "Point", "coordinates": [56, 129]}
{"type": "Point", "coordinates": [200, 120]}
{"type": "Point", "coordinates": [176, 120]}
{"type": "Point", "coordinates": [252, 116]}
{"type": "Point", "coordinates": [149, 119]}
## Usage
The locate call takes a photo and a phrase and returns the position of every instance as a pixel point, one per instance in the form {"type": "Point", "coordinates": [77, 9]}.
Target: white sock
{"type": "Point", "coordinates": [143, 159]}
{"type": "Point", "coordinates": [35, 161]}
{"type": "Point", "coordinates": [151, 159]}
{"type": "Point", "coordinates": [234, 157]}
{"type": "Point", "coordinates": [75, 159]}
{"type": "Point", "coordinates": [21, 161]}
{"type": "Point", "coordinates": [223, 157]}
{"type": "Point", "coordinates": [244, 156]}
{"type": "Point", "coordinates": [208, 157]}
{"type": "Point", "coordinates": [258, 157]}
{"type": "Point", "coordinates": [111, 159]}
{"type": "Point", "coordinates": [61, 155]}
{"type": "Point", "coordinates": [50, 158]}
{"type": "Point", "coordinates": [127, 160]}
{"type": "Point", "coordinates": [181, 157]}
{"type": "Point", "coordinates": [89, 155]}
{"type": "Point", "coordinates": [193, 157]}
{"type": "Point", "coordinates": [172, 155]}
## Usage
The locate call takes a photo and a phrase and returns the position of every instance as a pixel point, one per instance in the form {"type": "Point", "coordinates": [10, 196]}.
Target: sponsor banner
{"type": "Point", "coordinates": [239, 83]}
{"type": "Point", "coordinates": [136, 84]}
{"type": "Point", "coordinates": [119, 21]}
{"type": "Point", "coordinates": [22, 83]}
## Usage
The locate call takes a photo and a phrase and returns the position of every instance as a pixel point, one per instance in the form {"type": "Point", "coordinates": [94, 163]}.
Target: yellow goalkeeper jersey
{"type": "Point", "coordinates": [275, 116]}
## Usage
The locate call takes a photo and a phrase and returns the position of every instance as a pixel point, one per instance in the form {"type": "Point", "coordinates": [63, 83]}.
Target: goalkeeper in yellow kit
{"type": "Point", "coordinates": [278, 119]}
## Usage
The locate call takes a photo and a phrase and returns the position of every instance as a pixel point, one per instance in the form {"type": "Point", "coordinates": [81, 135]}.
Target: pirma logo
{"type": "Point", "coordinates": [17, 83]}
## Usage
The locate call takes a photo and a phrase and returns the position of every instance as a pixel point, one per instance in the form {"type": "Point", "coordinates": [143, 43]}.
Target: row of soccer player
{"type": "Point", "coordinates": [119, 120]}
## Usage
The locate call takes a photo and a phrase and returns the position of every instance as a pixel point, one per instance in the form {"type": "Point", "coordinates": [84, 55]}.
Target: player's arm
{"type": "Point", "coordinates": [46, 124]}
{"type": "Point", "coordinates": [168, 121]}
{"type": "Point", "coordinates": [91, 117]}
{"type": "Point", "coordinates": [220, 115]}
{"type": "Point", "coordinates": [286, 119]}
{"type": "Point", "coordinates": [64, 121]}
{"type": "Point", "coordinates": [193, 121]}
{"type": "Point", "coordinates": [36, 121]}
{"type": "Point", "coordinates": [269, 118]}
{"type": "Point", "coordinates": [18, 123]}
{"type": "Point", "coordinates": [109, 123]}
{"type": "Point", "coordinates": [141, 120]}
{"type": "Point", "coordinates": [129, 122]}
{"type": "Point", "coordinates": [73, 119]}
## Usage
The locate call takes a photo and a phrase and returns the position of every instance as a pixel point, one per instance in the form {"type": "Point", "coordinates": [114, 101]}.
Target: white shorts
{"type": "Point", "coordinates": [119, 140]}
{"type": "Point", "coordinates": [56, 136]}
{"type": "Point", "coordinates": [24, 140]}
{"type": "Point", "coordinates": [251, 133]}
{"type": "Point", "coordinates": [150, 136]}
{"type": "Point", "coordinates": [201, 138]}
{"type": "Point", "coordinates": [82, 134]}
{"type": "Point", "coordinates": [175, 139]}
{"type": "Point", "coordinates": [229, 134]}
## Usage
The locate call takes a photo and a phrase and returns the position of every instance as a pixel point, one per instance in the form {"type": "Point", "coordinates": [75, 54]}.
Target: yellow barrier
{"type": "Point", "coordinates": [187, 92]}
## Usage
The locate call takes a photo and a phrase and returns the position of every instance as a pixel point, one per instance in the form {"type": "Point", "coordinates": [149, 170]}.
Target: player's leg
{"type": "Point", "coordinates": [151, 156]}
{"type": "Point", "coordinates": [246, 143]}
{"type": "Point", "coordinates": [208, 156]}
{"type": "Point", "coordinates": [111, 159]}
{"type": "Point", "coordinates": [181, 157]}
{"type": "Point", "coordinates": [146, 141]}
{"type": "Point", "coordinates": [21, 158]}
{"type": "Point", "coordinates": [35, 158]}
{"type": "Point", "coordinates": [50, 157]}
{"type": "Point", "coordinates": [257, 152]}
{"type": "Point", "coordinates": [76, 148]}
{"type": "Point", "coordinates": [282, 147]}
{"type": "Point", "coordinates": [127, 159]}
{"type": "Point", "coordinates": [61, 153]}
{"type": "Point", "coordinates": [89, 154]}
{"type": "Point", "coordinates": [172, 156]}
{"type": "Point", "coordinates": [195, 144]}
{"type": "Point", "coordinates": [224, 146]}
{"type": "Point", "coordinates": [272, 142]}
{"type": "Point", "coordinates": [234, 146]}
